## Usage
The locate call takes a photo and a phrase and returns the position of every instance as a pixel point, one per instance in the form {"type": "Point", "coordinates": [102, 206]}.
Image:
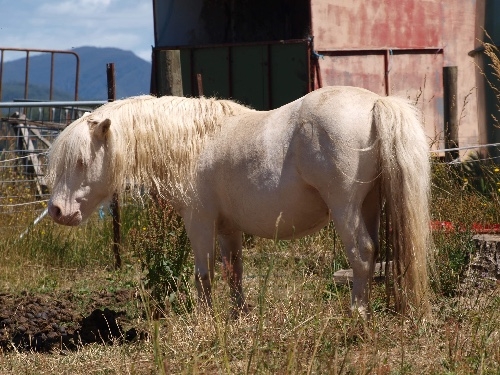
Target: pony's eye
{"type": "Point", "coordinates": [80, 163]}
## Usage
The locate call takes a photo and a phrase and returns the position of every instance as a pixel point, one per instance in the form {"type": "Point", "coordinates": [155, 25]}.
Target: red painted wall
{"type": "Point", "coordinates": [376, 24]}
{"type": "Point", "coordinates": [401, 25]}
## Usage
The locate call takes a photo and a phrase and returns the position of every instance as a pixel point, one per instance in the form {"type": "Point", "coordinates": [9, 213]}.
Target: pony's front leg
{"type": "Point", "coordinates": [204, 274]}
{"type": "Point", "coordinates": [231, 253]}
{"type": "Point", "coordinates": [202, 241]}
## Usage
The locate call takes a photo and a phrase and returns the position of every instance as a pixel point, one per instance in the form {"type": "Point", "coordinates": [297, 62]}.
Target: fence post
{"type": "Point", "coordinates": [199, 82]}
{"type": "Point", "coordinates": [115, 205]}
{"type": "Point", "coordinates": [169, 76]}
{"type": "Point", "coordinates": [450, 111]}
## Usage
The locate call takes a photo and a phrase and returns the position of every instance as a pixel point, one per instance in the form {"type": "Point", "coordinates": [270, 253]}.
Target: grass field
{"type": "Point", "coordinates": [299, 323]}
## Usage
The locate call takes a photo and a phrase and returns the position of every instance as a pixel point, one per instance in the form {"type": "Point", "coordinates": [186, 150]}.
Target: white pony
{"type": "Point", "coordinates": [337, 154]}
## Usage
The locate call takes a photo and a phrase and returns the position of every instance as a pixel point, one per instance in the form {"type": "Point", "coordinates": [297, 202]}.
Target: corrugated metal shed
{"type": "Point", "coordinates": [387, 46]}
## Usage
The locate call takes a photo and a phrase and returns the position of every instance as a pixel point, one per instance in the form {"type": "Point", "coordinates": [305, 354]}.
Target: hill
{"type": "Point", "coordinates": [132, 75]}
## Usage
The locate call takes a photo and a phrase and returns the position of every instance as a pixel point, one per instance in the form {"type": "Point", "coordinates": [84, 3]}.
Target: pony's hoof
{"type": "Point", "coordinates": [240, 312]}
{"type": "Point", "coordinates": [360, 312]}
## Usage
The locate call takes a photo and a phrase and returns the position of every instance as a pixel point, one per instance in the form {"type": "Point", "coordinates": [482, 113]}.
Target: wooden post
{"type": "Point", "coordinates": [110, 74]}
{"type": "Point", "coordinates": [115, 205]}
{"type": "Point", "coordinates": [199, 83]}
{"type": "Point", "coordinates": [450, 111]}
{"type": "Point", "coordinates": [169, 77]}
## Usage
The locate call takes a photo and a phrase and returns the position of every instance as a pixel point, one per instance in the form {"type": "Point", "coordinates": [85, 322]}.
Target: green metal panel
{"type": "Point", "coordinates": [186, 68]}
{"type": "Point", "coordinates": [250, 77]}
{"type": "Point", "coordinates": [289, 73]}
{"type": "Point", "coordinates": [492, 27]}
{"type": "Point", "coordinates": [263, 76]}
{"type": "Point", "coordinates": [213, 64]}
{"type": "Point", "coordinates": [489, 81]}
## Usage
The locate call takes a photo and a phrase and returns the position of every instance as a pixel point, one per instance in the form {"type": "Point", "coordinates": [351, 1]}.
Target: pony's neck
{"type": "Point", "coordinates": [163, 138]}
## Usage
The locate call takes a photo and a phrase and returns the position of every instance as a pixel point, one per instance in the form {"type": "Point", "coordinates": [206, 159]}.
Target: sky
{"type": "Point", "coordinates": [68, 24]}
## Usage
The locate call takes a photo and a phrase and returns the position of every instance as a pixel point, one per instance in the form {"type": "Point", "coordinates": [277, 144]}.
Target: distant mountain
{"type": "Point", "coordinates": [11, 91]}
{"type": "Point", "coordinates": [133, 75]}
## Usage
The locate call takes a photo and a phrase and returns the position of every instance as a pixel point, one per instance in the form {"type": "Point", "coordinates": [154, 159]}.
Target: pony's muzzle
{"type": "Point", "coordinates": [56, 213]}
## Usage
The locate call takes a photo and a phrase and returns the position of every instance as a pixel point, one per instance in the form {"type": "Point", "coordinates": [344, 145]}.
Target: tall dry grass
{"type": "Point", "coordinates": [300, 321]}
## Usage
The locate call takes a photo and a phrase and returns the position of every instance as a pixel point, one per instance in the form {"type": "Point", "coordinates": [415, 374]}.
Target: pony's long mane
{"type": "Point", "coordinates": [153, 142]}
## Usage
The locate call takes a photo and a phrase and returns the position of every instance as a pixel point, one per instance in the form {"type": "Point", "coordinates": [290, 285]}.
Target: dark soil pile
{"type": "Point", "coordinates": [44, 323]}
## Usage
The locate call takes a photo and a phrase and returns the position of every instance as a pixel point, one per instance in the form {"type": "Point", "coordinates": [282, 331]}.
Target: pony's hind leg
{"type": "Point", "coordinates": [231, 253]}
{"type": "Point", "coordinates": [358, 229]}
{"type": "Point", "coordinates": [361, 253]}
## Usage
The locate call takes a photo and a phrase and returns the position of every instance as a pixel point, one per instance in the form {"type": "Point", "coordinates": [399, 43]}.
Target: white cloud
{"type": "Point", "coordinates": [95, 2]}
{"type": "Point", "coordinates": [65, 24]}
{"type": "Point", "coordinates": [74, 8]}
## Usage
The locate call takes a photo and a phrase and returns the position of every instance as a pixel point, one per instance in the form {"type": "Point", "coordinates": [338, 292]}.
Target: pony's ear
{"type": "Point", "coordinates": [101, 129]}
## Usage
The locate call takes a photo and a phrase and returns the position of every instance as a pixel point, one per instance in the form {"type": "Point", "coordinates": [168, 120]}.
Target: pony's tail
{"type": "Point", "coordinates": [405, 168]}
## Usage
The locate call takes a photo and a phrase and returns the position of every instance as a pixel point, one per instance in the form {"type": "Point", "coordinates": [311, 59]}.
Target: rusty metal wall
{"type": "Point", "coordinates": [386, 72]}
{"type": "Point", "coordinates": [373, 24]}
{"type": "Point", "coordinates": [402, 47]}
{"type": "Point", "coordinates": [459, 37]}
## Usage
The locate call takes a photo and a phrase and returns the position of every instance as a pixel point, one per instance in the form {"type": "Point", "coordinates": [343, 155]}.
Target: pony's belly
{"type": "Point", "coordinates": [301, 226]}
{"type": "Point", "coordinates": [285, 226]}
{"type": "Point", "coordinates": [282, 216]}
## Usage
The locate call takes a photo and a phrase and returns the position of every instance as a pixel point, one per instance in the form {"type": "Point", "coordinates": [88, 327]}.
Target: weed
{"type": "Point", "coordinates": [453, 253]}
{"type": "Point", "coordinates": [162, 247]}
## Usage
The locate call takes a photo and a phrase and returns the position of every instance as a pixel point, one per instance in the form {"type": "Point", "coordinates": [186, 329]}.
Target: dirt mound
{"type": "Point", "coordinates": [44, 323]}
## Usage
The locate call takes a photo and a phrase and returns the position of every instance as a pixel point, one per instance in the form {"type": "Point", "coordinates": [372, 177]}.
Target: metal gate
{"type": "Point", "coordinates": [262, 75]}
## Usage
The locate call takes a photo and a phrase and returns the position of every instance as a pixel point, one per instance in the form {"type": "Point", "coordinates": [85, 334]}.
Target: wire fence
{"type": "Point", "coordinates": [27, 129]}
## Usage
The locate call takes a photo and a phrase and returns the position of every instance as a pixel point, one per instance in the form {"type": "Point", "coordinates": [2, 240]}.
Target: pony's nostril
{"type": "Point", "coordinates": [55, 211]}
